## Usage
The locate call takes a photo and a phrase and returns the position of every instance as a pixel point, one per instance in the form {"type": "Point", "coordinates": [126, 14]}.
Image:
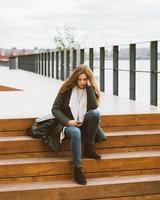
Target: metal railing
{"type": "Point", "coordinates": [59, 64]}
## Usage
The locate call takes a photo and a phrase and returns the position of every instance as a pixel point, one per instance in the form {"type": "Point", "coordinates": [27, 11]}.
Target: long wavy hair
{"type": "Point", "coordinates": [71, 81]}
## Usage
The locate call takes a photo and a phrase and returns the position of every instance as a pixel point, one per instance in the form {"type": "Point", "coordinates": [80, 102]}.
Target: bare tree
{"type": "Point", "coordinates": [65, 39]}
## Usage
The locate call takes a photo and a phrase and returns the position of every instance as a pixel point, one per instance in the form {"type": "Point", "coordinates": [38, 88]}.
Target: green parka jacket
{"type": "Point", "coordinates": [62, 113]}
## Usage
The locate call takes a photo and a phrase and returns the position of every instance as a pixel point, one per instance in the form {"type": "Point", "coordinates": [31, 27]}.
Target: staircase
{"type": "Point", "coordinates": [129, 168]}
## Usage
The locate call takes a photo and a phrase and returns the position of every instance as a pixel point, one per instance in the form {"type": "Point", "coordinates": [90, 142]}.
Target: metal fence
{"type": "Point", "coordinates": [59, 65]}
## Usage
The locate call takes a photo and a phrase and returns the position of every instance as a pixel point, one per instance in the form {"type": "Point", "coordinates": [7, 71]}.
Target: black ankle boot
{"type": "Point", "coordinates": [90, 153]}
{"type": "Point", "coordinates": [79, 177]}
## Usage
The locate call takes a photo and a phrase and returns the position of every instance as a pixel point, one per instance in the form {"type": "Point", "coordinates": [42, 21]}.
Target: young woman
{"type": "Point", "coordinates": [76, 110]}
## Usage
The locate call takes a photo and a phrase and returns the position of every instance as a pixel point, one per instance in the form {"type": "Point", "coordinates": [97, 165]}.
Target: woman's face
{"type": "Point", "coordinates": [82, 81]}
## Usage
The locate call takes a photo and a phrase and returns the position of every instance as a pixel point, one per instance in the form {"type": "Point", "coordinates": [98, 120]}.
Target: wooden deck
{"type": "Point", "coordinates": [36, 95]}
{"type": "Point", "coordinates": [130, 164]}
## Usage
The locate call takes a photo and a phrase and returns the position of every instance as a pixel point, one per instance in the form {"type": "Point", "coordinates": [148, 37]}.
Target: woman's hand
{"type": "Point", "coordinates": [73, 123]}
{"type": "Point", "coordinates": [88, 82]}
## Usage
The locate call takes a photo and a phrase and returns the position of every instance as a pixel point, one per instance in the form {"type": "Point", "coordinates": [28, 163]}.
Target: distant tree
{"type": "Point", "coordinates": [65, 39]}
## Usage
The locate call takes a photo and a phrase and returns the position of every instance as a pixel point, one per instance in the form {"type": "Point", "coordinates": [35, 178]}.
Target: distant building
{"type": "Point", "coordinates": [4, 58]}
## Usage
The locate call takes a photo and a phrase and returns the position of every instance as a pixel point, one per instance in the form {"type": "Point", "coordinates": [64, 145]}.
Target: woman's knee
{"type": "Point", "coordinates": [94, 113]}
{"type": "Point", "coordinates": [76, 133]}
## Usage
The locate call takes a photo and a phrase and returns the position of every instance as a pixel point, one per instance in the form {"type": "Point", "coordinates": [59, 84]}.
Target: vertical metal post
{"type": "Point", "coordinates": [67, 63]}
{"type": "Point", "coordinates": [74, 58]}
{"type": "Point", "coordinates": [32, 62]}
{"type": "Point", "coordinates": [13, 62]}
{"type": "Point", "coordinates": [115, 70]}
{"type": "Point", "coordinates": [81, 56]}
{"type": "Point", "coordinates": [132, 73]}
{"type": "Point", "coordinates": [42, 54]}
{"type": "Point", "coordinates": [36, 62]}
{"type": "Point", "coordinates": [62, 65]}
{"type": "Point", "coordinates": [52, 64]}
{"type": "Point", "coordinates": [91, 57]}
{"type": "Point", "coordinates": [153, 73]}
{"type": "Point", "coordinates": [48, 64]}
{"type": "Point", "coordinates": [45, 64]}
{"type": "Point", "coordinates": [19, 62]}
{"type": "Point", "coordinates": [102, 69]}
{"type": "Point", "coordinates": [39, 66]}
{"type": "Point", "coordinates": [57, 65]}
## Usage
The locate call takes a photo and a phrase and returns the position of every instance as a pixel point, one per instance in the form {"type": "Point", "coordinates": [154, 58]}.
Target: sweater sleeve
{"type": "Point", "coordinates": [57, 109]}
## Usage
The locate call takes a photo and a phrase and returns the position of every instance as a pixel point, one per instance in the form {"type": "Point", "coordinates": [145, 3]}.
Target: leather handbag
{"type": "Point", "coordinates": [42, 127]}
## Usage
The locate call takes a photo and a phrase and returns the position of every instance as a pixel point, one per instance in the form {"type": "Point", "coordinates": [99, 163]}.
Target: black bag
{"type": "Point", "coordinates": [42, 127]}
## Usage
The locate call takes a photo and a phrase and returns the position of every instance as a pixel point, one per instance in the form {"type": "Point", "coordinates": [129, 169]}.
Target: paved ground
{"type": "Point", "coordinates": [38, 94]}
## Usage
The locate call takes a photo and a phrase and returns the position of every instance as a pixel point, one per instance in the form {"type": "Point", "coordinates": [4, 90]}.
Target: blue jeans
{"type": "Point", "coordinates": [88, 129]}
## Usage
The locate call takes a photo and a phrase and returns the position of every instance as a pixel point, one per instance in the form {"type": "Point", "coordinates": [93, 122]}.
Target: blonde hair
{"type": "Point", "coordinates": [71, 81]}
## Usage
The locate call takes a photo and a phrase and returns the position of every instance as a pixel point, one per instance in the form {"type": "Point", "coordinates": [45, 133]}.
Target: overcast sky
{"type": "Point", "coordinates": [32, 23]}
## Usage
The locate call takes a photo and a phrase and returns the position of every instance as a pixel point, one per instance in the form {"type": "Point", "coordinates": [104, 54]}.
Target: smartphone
{"type": "Point", "coordinates": [78, 122]}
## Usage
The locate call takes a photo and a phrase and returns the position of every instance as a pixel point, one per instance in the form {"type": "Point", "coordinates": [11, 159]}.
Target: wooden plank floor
{"type": "Point", "coordinates": [5, 88]}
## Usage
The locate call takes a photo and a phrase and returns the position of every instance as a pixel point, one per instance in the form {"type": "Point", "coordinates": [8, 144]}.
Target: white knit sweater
{"type": "Point", "coordinates": [78, 106]}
